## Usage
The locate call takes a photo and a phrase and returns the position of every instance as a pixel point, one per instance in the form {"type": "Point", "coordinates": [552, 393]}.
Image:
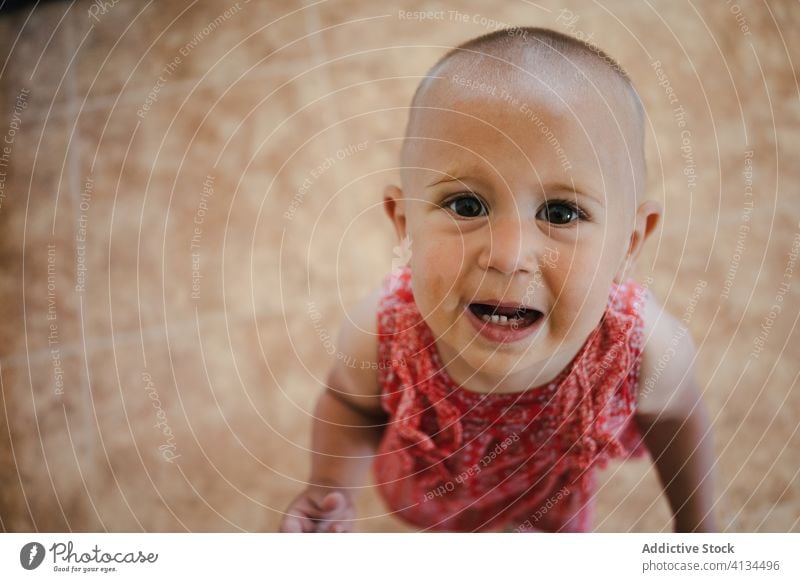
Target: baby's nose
{"type": "Point", "coordinates": [511, 247]}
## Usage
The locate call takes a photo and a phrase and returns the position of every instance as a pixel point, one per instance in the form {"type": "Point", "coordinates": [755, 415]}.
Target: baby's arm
{"type": "Point", "coordinates": [348, 425]}
{"type": "Point", "coordinates": [674, 421]}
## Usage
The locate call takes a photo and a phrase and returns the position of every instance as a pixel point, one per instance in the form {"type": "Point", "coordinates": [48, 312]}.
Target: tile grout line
{"type": "Point", "coordinates": [105, 100]}
{"type": "Point", "coordinates": [129, 336]}
{"type": "Point", "coordinates": [319, 50]}
{"type": "Point", "coordinates": [179, 86]}
{"type": "Point", "coordinates": [69, 109]}
{"type": "Point", "coordinates": [74, 153]}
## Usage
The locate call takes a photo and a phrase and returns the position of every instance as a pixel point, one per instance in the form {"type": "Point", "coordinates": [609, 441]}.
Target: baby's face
{"type": "Point", "coordinates": [520, 215]}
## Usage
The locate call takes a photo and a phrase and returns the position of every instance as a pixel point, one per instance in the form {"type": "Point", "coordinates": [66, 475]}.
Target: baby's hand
{"type": "Point", "coordinates": [319, 509]}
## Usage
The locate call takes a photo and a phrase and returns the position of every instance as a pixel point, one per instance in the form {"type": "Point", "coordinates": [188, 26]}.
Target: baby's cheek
{"type": "Point", "coordinates": [435, 271]}
{"type": "Point", "coordinates": [581, 286]}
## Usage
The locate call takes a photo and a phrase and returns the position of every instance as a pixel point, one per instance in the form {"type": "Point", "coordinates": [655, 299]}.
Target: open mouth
{"type": "Point", "coordinates": [514, 317]}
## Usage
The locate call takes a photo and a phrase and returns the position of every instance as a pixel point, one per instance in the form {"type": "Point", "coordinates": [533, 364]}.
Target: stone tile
{"type": "Point", "coordinates": [441, 29]}
{"type": "Point", "coordinates": [129, 46]}
{"type": "Point", "coordinates": [37, 240]}
{"type": "Point", "coordinates": [755, 442]}
{"type": "Point", "coordinates": [774, 518]}
{"type": "Point", "coordinates": [374, 517]}
{"type": "Point", "coordinates": [148, 441]}
{"type": "Point", "coordinates": [629, 499]}
{"type": "Point", "coordinates": [44, 449]}
{"type": "Point", "coordinates": [149, 203]}
{"type": "Point", "coordinates": [349, 238]}
{"type": "Point", "coordinates": [36, 50]}
{"type": "Point", "coordinates": [234, 399]}
{"type": "Point", "coordinates": [6, 42]}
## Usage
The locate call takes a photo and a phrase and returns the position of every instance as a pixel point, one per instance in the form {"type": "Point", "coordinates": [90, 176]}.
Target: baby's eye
{"type": "Point", "coordinates": [467, 206]}
{"type": "Point", "coordinates": [559, 213]}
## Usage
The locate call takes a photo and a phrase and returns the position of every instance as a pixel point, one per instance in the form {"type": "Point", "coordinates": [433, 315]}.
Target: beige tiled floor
{"type": "Point", "coordinates": [148, 100]}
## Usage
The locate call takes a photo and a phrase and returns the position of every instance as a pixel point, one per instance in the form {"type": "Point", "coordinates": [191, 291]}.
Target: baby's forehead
{"type": "Point", "coordinates": [568, 84]}
{"type": "Point", "coordinates": [488, 81]}
{"type": "Point", "coordinates": [475, 104]}
{"type": "Point", "coordinates": [570, 109]}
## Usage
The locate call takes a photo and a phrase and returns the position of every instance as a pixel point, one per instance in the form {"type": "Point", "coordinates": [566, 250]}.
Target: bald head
{"type": "Point", "coordinates": [533, 61]}
{"type": "Point", "coordinates": [531, 48]}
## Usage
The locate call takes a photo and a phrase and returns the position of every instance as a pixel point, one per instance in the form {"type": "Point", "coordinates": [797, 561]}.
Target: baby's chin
{"type": "Point", "coordinates": [493, 360]}
{"type": "Point", "coordinates": [500, 363]}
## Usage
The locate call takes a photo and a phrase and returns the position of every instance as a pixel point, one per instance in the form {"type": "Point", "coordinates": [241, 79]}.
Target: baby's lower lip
{"type": "Point", "coordinates": [502, 333]}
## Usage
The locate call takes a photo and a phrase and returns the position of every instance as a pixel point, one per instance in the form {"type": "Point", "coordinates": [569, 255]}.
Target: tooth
{"type": "Point", "coordinates": [503, 319]}
{"type": "Point", "coordinates": [485, 317]}
{"type": "Point", "coordinates": [495, 319]}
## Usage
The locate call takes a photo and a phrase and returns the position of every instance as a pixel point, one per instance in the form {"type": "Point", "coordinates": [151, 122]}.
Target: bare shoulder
{"type": "Point", "coordinates": [353, 378]}
{"type": "Point", "coordinates": [667, 384]}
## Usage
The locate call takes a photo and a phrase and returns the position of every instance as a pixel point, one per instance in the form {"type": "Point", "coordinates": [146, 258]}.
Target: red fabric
{"type": "Point", "coordinates": [456, 460]}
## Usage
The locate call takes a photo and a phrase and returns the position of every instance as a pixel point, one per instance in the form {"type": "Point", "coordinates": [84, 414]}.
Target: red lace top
{"type": "Point", "coordinates": [452, 459]}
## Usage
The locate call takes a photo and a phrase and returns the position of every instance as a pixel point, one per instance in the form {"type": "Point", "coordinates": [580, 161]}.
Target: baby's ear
{"type": "Point", "coordinates": [648, 215]}
{"type": "Point", "coordinates": [394, 205]}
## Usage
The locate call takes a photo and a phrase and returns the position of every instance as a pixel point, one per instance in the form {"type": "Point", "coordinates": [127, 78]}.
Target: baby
{"type": "Point", "coordinates": [512, 357]}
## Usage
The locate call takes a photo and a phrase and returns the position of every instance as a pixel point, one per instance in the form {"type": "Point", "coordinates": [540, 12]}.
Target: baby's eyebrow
{"type": "Point", "coordinates": [458, 176]}
{"type": "Point", "coordinates": [443, 180]}
{"type": "Point", "coordinates": [563, 186]}
{"type": "Point", "coordinates": [456, 171]}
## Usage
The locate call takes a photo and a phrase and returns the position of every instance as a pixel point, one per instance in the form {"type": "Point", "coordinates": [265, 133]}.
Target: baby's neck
{"type": "Point", "coordinates": [518, 381]}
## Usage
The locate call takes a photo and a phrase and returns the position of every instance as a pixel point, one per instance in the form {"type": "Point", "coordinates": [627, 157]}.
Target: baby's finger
{"type": "Point", "coordinates": [297, 524]}
{"type": "Point", "coordinates": [291, 525]}
{"type": "Point", "coordinates": [333, 527]}
{"type": "Point", "coordinates": [333, 502]}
